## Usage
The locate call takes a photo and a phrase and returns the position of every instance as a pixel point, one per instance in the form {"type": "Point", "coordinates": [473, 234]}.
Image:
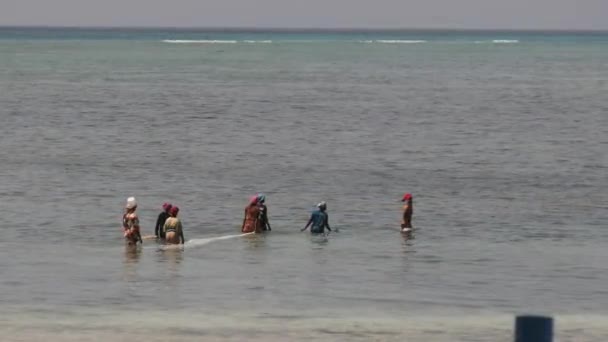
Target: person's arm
{"type": "Point", "coordinates": [158, 227]}
{"type": "Point", "coordinates": [244, 219]}
{"type": "Point", "coordinates": [256, 223]}
{"type": "Point", "coordinates": [181, 232]}
{"type": "Point", "coordinates": [124, 223]}
{"type": "Point", "coordinates": [405, 209]}
{"type": "Point", "coordinates": [308, 224]}
{"type": "Point", "coordinates": [327, 222]}
{"type": "Point", "coordinates": [136, 228]}
{"type": "Point", "coordinates": [266, 222]}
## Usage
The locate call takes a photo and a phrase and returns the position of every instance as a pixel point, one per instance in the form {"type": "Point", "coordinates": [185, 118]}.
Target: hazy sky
{"type": "Point", "coordinates": [510, 14]}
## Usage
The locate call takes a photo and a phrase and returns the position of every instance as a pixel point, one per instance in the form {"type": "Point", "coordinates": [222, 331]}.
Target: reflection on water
{"type": "Point", "coordinates": [132, 254]}
{"type": "Point", "coordinates": [407, 241]}
{"type": "Point", "coordinates": [172, 256]}
{"type": "Point", "coordinates": [255, 241]}
{"type": "Point", "coordinates": [319, 239]}
{"type": "Point", "coordinates": [407, 235]}
{"type": "Point", "coordinates": [170, 259]}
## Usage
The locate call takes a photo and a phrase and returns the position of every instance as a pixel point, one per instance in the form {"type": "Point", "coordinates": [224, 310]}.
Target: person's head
{"type": "Point", "coordinates": [322, 206]}
{"type": "Point", "coordinates": [167, 207]}
{"type": "Point", "coordinates": [253, 200]}
{"type": "Point", "coordinates": [131, 204]}
{"type": "Point", "coordinates": [261, 198]}
{"type": "Point", "coordinates": [407, 197]}
{"type": "Point", "coordinates": [173, 211]}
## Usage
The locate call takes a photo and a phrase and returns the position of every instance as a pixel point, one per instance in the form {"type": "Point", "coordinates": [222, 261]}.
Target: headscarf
{"type": "Point", "coordinates": [261, 198]}
{"type": "Point", "coordinates": [131, 203]}
{"type": "Point", "coordinates": [253, 200]}
{"type": "Point", "coordinates": [406, 197]}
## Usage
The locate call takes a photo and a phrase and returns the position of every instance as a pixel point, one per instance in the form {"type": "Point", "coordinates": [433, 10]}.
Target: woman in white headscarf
{"type": "Point", "coordinates": [130, 223]}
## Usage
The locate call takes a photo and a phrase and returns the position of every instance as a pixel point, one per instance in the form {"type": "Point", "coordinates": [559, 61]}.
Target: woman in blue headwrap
{"type": "Point", "coordinates": [319, 220]}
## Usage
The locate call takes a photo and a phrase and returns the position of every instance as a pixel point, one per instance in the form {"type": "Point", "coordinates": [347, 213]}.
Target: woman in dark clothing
{"type": "Point", "coordinates": [408, 211]}
{"type": "Point", "coordinates": [160, 222]}
{"type": "Point", "coordinates": [263, 221]}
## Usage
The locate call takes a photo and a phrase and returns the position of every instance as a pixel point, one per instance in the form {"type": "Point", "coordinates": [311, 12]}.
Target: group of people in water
{"type": "Point", "coordinates": [169, 227]}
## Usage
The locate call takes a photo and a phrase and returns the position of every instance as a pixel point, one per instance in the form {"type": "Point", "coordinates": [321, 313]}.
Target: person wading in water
{"type": "Point", "coordinates": [174, 232]}
{"type": "Point", "coordinates": [319, 220]}
{"type": "Point", "coordinates": [160, 222]}
{"type": "Point", "coordinates": [408, 210]}
{"type": "Point", "coordinates": [130, 223]}
{"type": "Point", "coordinates": [263, 219]}
{"type": "Point", "coordinates": [252, 216]}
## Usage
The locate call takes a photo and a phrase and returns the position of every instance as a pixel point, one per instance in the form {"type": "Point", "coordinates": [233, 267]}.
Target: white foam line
{"type": "Point", "coordinates": [258, 41]}
{"type": "Point", "coordinates": [172, 41]}
{"type": "Point", "coordinates": [505, 41]}
{"type": "Point", "coordinates": [201, 242]}
{"type": "Point", "coordinates": [397, 41]}
{"type": "Point", "coordinates": [199, 41]}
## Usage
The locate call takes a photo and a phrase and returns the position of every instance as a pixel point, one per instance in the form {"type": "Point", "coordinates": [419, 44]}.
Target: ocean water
{"type": "Point", "coordinates": [502, 137]}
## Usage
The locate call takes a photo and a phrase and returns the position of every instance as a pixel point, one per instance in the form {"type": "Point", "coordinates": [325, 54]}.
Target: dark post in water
{"type": "Point", "coordinates": [533, 329]}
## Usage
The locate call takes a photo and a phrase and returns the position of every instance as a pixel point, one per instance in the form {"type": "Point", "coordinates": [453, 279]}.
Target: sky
{"type": "Point", "coordinates": [457, 14]}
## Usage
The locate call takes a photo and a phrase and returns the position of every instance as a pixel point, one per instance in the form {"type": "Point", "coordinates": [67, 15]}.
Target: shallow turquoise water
{"type": "Point", "coordinates": [501, 137]}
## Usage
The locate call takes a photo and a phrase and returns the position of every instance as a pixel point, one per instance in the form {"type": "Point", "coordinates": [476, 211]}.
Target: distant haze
{"type": "Point", "coordinates": [483, 14]}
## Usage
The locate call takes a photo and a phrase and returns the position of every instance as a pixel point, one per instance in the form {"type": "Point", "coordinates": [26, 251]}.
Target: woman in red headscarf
{"type": "Point", "coordinates": [174, 232]}
{"type": "Point", "coordinates": [408, 210]}
{"type": "Point", "coordinates": [252, 213]}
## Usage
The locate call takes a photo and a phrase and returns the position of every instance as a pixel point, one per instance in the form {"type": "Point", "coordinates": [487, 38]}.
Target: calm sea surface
{"type": "Point", "coordinates": [502, 137]}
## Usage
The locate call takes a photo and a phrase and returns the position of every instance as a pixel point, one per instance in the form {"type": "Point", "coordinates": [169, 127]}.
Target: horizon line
{"type": "Point", "coordinates": [305, 29]}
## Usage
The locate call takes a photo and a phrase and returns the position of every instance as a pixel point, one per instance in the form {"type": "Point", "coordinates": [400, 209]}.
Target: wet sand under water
{"type": "Point", "coordinates": [196, 327]}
